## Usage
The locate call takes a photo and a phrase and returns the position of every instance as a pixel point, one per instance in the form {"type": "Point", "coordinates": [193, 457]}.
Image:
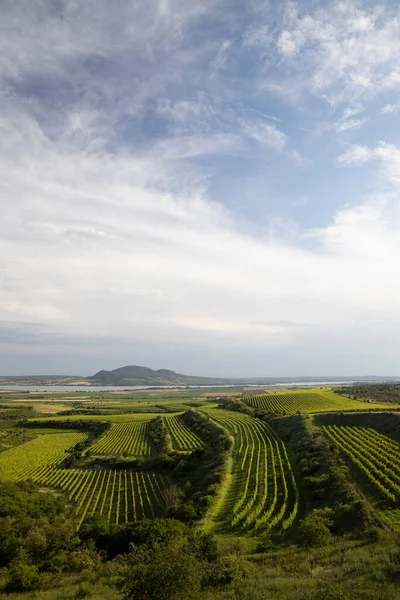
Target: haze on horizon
{"type": "Point", "coordinates": [208, 186]}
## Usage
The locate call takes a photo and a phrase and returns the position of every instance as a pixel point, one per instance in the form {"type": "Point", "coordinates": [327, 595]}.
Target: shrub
{"type": "Point", "coordinates": [168, 572]}
{"type": "Point", "coordinates": [23, 577]}
{"type": "Point", "coordinates": [313, 533]}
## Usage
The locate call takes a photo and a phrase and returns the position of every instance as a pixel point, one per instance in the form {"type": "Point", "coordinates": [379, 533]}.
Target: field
{"type": "Point", "coordinates": [302, 487]}
{"type": "Point", "coordinates": [376, 455]}
{"type": "Point", "coordinates": [23, 462]}
{"type": "Point", "coordinates": [309, 401]}
{"type": "Point", "coordinates": [119, 495]}
{"type": "Point", "coordinates": [261, 493]}
{"type": "Point", "coordinates": [126, 439]}
{"type": "Point", "coordinates": [182, 437]}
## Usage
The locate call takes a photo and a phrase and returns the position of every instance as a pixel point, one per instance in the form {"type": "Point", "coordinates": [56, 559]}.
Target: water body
{"type": "Point", "coordinates": [116, 388]}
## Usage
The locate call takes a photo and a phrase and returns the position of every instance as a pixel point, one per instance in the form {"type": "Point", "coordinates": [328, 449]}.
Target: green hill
{"type": "Point", "coordinates": [136, 375]}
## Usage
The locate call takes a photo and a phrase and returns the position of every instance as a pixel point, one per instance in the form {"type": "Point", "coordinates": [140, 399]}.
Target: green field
{"type": "Point", "coordinates": [119, 495]}
{"type": "Point", "coordinates": [25, 461]}
{"type": "Point", "coordinates": [260, 475]}
{"type": "Point", "coordinates": [309, 401]}
{"type": "Point", "coordinates": [261, 492]}
{"type": "Point", "coordinates": [182, 437]}
{"type": "Point", "coordinates": [125, 438]}
{"type": "Point", "coordinates": [376, 455]}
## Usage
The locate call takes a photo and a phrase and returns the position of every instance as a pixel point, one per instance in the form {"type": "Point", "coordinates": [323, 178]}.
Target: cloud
{"type": "Point", "coordinates": [119, 139]}
{"type": "Point", "coordinates": [349, 124]}
{"type": "Point", "coordinates": [388, 155]}
{"type": "Point", "coordinates": [220, 59]}
{"type": "Point", "coordinates": [390, 108]}
{"type": "Point", "coordinates": [289, 44]}
{"type": "Point", "coordinates": [264, 134]}
{"type": "Point", "coordinates": [344, 50]}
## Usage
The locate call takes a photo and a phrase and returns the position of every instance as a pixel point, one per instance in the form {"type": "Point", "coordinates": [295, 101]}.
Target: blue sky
{"type": "Point", "coordinates": [211, 186]}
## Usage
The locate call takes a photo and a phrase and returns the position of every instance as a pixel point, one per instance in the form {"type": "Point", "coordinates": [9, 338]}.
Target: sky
{"type": "Point", "coordinates": [208, 186]}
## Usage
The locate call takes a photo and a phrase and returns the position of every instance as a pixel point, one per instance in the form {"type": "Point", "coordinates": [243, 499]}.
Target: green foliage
{"type": "Point", "coordinates": [169, 561]}
{"type": "Point", "coordinates": [374, 392]}
{"type": "Point", "coordinates": [14, 437]}
{"type": "Point", "coordinates": [12, 413]}
{"type": "Point", "coordinates": [205, 468]}
{"type": "Point", "coordinates": [169, 571]}
{"type": "Point", "coordinates": [160, 437]}
{"type": "Point", "coordinates": [326, 479]}
{"type": "Point", "coordinates": [23, 577]}
{"type": "Point", "coordinates": [312, 532]}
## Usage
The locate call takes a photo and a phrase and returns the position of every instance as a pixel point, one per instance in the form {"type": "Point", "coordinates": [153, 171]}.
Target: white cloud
{"type": "Point", "coordinates": [388, 156]}
{"type": "Point", "coordinates": [349, 124]}
{"type": "Point", "coordinates": [106, 252]}
{"type": "Point", "coordinates": [289, 43]}
{"type": "Point", "coordinates": [110, 227]}
{"type": "Point", "coordinates": [356, 155]}
{"type": "Point", "coordinates": [390, 108]}
{"type": "Point", "coordinates": [220, 59]}
{"type": "Point", "coordinates": [345, 50]}
{"type": "Point", "coordinates": [264, 134]}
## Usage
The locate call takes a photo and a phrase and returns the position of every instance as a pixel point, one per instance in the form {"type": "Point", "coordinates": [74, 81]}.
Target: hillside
{"type": "Point", "coordinates": [136, 375]}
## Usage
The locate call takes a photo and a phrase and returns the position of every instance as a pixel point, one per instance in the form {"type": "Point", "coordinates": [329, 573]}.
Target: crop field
{"type": "Point", "coordinates": [117, 418]}
{"type": "Point", "coordinates": [23, 462]}
{"type": "Point", "coordinates": [119, 495]}
{"type": "Point", "coordinates": [376, 455]}
{"type": "Point", "coordinates": [308, 402]}
{"type": "Point", "coordinates": [262, 492]}
{"type": "Point", "coordinates": [181, 436]}
{"type": "Point", "coordinates": [125, 438]}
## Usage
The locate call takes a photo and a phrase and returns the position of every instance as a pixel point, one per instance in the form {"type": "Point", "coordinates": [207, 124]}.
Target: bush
{"type": "Point", "coordinates": [23, 577]}
{"type": "Point", "coordinates": [168, 572]}
{"type": "Point", "coordinates": [83, 560]}
{"type": "Point", "coordinates": [313, 533]}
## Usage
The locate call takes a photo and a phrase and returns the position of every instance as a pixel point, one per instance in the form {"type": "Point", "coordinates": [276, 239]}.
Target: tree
{"type": "Point", "coordinates": [169, 571]}
{"type": "Point", "coordinates": [170, 496]}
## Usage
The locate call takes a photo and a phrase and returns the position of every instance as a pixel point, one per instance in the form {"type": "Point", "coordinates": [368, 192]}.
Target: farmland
{"type": "Point", "coordinates": [377, 456]}
{"type": "Point", "coordinates": [308, 401]}
{"type": "Point", "coordinates": [125, 438]}
{"type": "Point", "coordinates": [121, 496]}
{"type": "Point", "coordinates": [23, 462]}
{"type": "Point", "coordinates": [181, 436]}
{"type": "Point", "coordinates": [265, 471]}
{"type": "Point", "coordinates": [262, 492]}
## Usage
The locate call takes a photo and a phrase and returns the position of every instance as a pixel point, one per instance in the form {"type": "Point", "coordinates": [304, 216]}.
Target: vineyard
{"type": "Point", "coordinates": [307, 402]}
{"type": "Point", "coordinates": [181, 436]}
{"type": "Point", "coordinates": [23, 462]}
{"type": "Point", "coordinates": [125, 438]}
{"type": "Point", "coordinates": [262, 492]}
{"type": "Point", "coordinates": [377, 456]}
{"type": "Point", "coordinates": [120, 495]}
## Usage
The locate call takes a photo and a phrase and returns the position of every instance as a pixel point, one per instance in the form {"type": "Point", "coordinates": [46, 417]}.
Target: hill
{"type": "Point", "coordinates": [136, 375]}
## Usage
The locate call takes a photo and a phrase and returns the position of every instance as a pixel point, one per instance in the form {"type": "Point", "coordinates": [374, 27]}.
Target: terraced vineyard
{"type": "Point", "coordinates": [376, 455]}
{"type": "Point", "coordinates": [119, 495]}
{"type": "Point", "coordinates": [23, 462]}
{"type": "Point", "coordinates": [308, 402]}
{"type": "Point", "coordinates": [181, 436]}
{"type": "Point", "coordinates": [125, 438]}
{"type": "Point", "coordinates": [262, 492]}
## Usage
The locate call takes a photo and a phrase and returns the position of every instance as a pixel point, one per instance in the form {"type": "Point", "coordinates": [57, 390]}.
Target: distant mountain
{"type": "Point", "coordinates": [135, 375]}
{"type": "Point", "coordinates": [144, 376]}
